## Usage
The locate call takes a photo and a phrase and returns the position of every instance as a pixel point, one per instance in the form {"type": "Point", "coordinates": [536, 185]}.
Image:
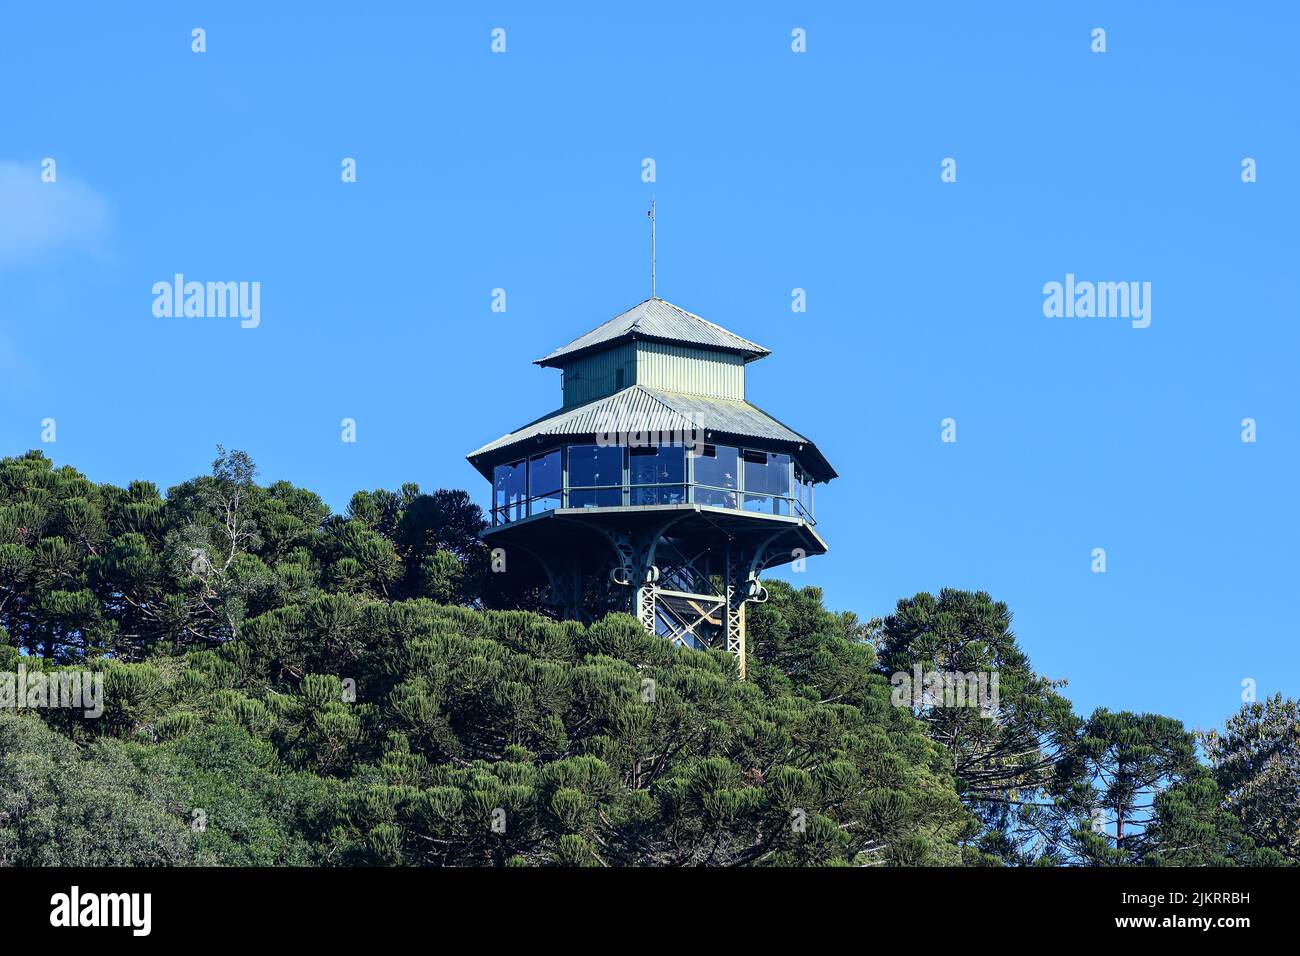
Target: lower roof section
{"type": "Point", "coordinates": [618, 418]}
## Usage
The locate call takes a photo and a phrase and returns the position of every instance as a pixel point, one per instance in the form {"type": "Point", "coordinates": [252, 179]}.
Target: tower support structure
{"type": "Point", "coordinates": [686, 573]}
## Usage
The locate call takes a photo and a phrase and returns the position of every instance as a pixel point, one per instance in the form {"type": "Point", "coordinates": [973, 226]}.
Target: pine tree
{"type": "Point", "coordinates": [1256, 760]}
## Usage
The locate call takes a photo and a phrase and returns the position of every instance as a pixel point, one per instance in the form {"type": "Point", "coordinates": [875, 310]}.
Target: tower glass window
{"type": "Point", "coordinates": [609, 476]}
{"type": "Point", "coordinates": [657, 474]}
{"type": "Point", "coordinates": [767, 482]}
{"type": "Point", "coordinates": [508, 484]}
{"type": "Point", "coordinates": [717, 476]}
{"type": "Point", "coordinates": [544, 482]}
{"type": "Point", "coordinates": [595, 497]}
{"type": "Point", "coordinates": [802, 492]}
{"type": "Point", "coordinates": [595, 466]}
{"type": "Point", "coordinates": [595, 476]}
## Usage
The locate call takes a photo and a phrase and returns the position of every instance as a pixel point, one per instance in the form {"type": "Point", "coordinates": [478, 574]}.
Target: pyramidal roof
{"type": "Point", "coordinates": [658, 321]}
{"type": "Point", "coordinates": [638, 408]}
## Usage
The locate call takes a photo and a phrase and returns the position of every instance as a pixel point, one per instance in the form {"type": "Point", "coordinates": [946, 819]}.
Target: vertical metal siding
{"type": "Point", "coordinates": [595, 376]}
{"type": "Point", "coordinates": [677, 368]}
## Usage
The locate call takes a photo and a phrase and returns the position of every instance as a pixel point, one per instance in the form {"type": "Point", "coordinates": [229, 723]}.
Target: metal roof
{"type": "Point", "coordinates": [643, 409]}
{"type": "Point", "coordinates": [663, 322]}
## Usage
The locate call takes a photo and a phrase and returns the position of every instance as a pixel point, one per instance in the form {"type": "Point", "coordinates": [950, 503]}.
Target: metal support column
{"type": "Point", "coordinates": [646, 591]}
{"type": "Point", "coordinates": [737, 593]}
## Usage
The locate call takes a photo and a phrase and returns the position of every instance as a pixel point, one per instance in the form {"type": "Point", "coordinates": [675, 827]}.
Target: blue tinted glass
{"type": "Point", "coordinates": [715, 497]}
{"type": "Point", "coordinates": [658, 495]}
{"type": "Point", "coordinates": [544, 474]}
{"type": "Point", "coordinates": [508, 484]}
{"type": "Point", "coordinates": [545, 503]}
{"type": "Point", "coordinates": [717, 465]}
{"type": "Point", "coordinates": [658, 465]}
{"type": "Point", "coordinates": [595, 498]}
{"type": "Point", "coordinates": [595, 465]}
{"type": "Point", "coordinates": [766, 473]}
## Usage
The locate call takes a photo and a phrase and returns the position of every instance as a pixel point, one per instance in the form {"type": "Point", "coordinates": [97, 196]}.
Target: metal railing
{"type": "Point", "coordinates": [754, 502]}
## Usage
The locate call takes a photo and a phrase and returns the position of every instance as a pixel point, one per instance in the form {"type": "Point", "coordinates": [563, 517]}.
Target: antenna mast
{"type": "Point", "coordinates": [651, 215]}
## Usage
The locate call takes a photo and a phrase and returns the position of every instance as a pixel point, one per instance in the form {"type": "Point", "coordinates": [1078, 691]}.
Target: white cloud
{"type": "Point", "coordinates": [38, 217]}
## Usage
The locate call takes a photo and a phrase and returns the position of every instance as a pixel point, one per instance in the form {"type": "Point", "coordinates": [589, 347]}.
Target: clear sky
{"type": "Point", "coordinates": [775, 170]}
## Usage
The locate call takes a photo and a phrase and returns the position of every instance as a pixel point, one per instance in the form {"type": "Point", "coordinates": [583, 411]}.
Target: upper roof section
{"type": "Point", "coordinates": [657, 321]}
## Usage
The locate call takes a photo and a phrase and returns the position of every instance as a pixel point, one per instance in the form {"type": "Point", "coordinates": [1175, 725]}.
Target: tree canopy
{"type": "Point", "coordinates": [286, 686]}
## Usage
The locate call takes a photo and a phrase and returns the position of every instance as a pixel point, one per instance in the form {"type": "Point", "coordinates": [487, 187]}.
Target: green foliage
{"type": "Point", "coordinates": [1108, 784]}
{"type": "Point", "coordinates": [287, 687]}
{"type": "Point", "coordinates": [243, 805]}
{"type": "Point", "coordinates": [1256, 761]}
{"type": "Point", "coordinates": [1192, 827]}
{"type": "Point", "coordinates": [63, 806]}
{"type": "Point", "coordinates": [1005, 761]}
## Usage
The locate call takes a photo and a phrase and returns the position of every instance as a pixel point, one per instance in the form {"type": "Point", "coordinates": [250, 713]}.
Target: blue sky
{"type": "Point", "coordinates": [775, 170]}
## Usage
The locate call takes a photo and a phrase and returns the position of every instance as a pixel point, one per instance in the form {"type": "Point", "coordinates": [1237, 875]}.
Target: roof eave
{"type": "Point", "coordinates": [809, 454]}
{"type": "Point", "coordinates": [561, 359]}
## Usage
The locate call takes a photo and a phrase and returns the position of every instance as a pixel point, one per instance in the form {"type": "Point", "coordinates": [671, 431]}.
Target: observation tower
{"type": "Point", "coordinates": [656, 488]}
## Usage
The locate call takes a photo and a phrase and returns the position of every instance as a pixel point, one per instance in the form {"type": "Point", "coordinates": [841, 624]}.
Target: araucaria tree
{"type": "Point", "coordinates": [361, 688]}
{"type": "Point", "coordinates": [1256, 761]}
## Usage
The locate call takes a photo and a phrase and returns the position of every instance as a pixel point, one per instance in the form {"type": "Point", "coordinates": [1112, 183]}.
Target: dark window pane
{"type": "Point", "coordinates": [767, 504]}
{"type": "Point", "coordinates": [595, 465]}
{"type": "Point", "coordinates": [545, 503]}
{"type": "Point", "coordinates": [755, 472]}
{"type": "Point", "coordinates": [778, 474]}
{"type": "Point", "coordinates": [544, 474]}
{"type": "Point", "coordinates": [715, 497]}
{"type": "Point", "coordinates": [659, 495]}
{"type": "Point", "coordinates": [641, 465]}
{"type": "Point", "coordinates": [766, 473]}
{"type": "Point", "coordinates": [717, 465]}
{"type": "Point", "coordinates": [657, 465]}
{"type": "Point", "coordinates": [596, 498]}
{"type": "Point", "coordinates": [508, 488]}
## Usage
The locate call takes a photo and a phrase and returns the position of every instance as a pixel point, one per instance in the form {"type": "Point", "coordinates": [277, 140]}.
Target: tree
{"type": "Point", "coordinates": [1003, 758]}
{"type": "Point", "coordinates": [1256, 761]}
{"type": "Point", "coordinates": [62, 806]}
{"type": "Point", "coordinates": [212, 550]}
{"type": "Point", "coordinates": [1109, 784]}
{"type": "Point", "coordinates": [332, 689]}
{"type": "Point", "coordinates": [428, 532]}
{"type": "Point", "coordinates": [1192, 827]}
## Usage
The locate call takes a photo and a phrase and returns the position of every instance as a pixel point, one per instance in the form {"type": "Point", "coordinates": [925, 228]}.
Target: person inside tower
{"type": "Point", "coordinates": [728, 497]}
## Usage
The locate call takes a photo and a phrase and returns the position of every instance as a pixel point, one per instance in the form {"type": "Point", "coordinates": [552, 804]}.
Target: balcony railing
{"type": "Point", "coordinates": [643, 495]}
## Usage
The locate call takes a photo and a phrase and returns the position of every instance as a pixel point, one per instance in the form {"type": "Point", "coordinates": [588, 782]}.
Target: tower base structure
{"type": "Point", "coordinates": [686, 571]}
